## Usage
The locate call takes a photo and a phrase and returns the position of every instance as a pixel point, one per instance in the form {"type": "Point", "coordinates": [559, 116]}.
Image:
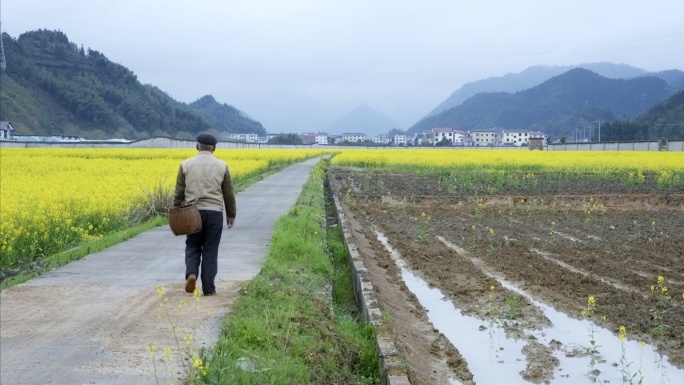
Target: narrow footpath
{"type": "Point", "coordinates": [90, 322]}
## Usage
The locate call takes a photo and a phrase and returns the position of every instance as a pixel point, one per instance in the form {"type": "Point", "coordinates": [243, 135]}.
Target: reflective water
{"type": "Point", "coordinates": [495, 359]}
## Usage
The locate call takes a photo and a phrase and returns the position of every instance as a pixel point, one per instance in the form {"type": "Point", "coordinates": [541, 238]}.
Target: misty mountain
{"type": "Point", "coordinates": [536, 75]}
{"type": "Point", "coordinates": [362, 119]}
{"type": "Point", "coordinates": [674, 78]}
{"type": "Point", "coordinates": [54, 87]}
{"type": "Point", "coordinates": [557, 106]}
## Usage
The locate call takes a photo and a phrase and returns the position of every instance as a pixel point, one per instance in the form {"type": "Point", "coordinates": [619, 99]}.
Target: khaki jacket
{"type": "Point", "coordinates": [205, 180]}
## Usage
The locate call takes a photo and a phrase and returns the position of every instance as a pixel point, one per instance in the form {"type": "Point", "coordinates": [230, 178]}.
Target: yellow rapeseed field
{"type": "Point", "coordinates": [573, 162]}
{"type": "Point", "coordinates": [52, 199]}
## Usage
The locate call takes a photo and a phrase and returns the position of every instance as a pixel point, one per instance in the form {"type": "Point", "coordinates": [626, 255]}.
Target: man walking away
{"type": "Point", "coordinates": [205, 180]}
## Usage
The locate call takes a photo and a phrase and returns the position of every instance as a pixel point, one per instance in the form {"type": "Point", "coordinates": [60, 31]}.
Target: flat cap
{"type": "Point", "coordinates": [205, 138]}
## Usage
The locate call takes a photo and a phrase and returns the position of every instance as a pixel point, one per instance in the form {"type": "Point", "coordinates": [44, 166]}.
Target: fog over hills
{"type": "Point", "coordinates": [362, 119]}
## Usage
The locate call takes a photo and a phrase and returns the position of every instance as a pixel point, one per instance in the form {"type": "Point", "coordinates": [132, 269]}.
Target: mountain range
{"type": "Point", "coordinates": [535, 75]}
{"type": "Point", "coordinates": [53, 87]}
{"type": "Point", "coordinates": [557, 106]}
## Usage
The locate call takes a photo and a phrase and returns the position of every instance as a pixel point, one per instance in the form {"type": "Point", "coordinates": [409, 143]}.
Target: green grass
{"type": "Point", "coordinates": [296, 322]}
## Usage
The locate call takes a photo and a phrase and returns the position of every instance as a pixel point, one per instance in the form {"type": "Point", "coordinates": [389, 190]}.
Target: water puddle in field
{"type": "Point", "coordinates": [493, 358]}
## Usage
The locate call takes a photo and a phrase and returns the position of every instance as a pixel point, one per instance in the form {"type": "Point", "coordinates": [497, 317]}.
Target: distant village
{"type": "Point", "coordinates": [436, 137]}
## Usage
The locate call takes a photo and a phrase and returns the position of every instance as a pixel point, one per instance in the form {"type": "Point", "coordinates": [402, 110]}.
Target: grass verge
{"type": "Point", "coordinates": [295, 322]}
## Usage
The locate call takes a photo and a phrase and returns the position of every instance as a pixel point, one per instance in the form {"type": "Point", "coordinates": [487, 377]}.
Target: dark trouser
{"type": "Point", "coordinates": [202, 248]}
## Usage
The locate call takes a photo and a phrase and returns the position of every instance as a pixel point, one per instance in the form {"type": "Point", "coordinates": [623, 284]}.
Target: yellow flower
{"type": "Point", "coordinates": [160, 290]}
{"type": "Point", "coordinates": [167, 353]}
{"type": "Point", "coordinates": [197, 363]}
{"type": "Point", "coordinates": [491, 288]}
{"type": "Point", "coordinates": [642, 343]}
{"type": "Point", "coordinates": [661, 279]}
{"type": "Point", "coordinates": [151, 348]}
{"type": "Point", "coordinates": [622, 333]}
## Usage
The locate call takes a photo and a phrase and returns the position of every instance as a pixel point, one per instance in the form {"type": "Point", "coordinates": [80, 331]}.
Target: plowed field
{"type": "Point", "coordinates": [562, 241]}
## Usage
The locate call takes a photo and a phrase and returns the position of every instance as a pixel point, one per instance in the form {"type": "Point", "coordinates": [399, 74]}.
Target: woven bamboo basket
{"type": "Point", "coordinates": [184, 219]}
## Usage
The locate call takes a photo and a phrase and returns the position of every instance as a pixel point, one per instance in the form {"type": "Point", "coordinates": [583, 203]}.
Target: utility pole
{"type": "Point", "coordinates": [3, 63]}
{"type": "Point", "coordinates": [599, 130]}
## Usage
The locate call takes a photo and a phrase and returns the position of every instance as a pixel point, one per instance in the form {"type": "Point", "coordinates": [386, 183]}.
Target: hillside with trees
{"type": "Point", "coordinates": [576, 98]}
{"type": "Point", "coordinates": [54, 87]}
{"type": "Point", "coordinates": [664, 121]}
{"type": "Point", "coordinates": [226, 118]}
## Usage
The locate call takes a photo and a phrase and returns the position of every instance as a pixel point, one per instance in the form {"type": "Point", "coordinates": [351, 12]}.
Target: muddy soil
{"type": "Point", "coordinates": [561, 240]}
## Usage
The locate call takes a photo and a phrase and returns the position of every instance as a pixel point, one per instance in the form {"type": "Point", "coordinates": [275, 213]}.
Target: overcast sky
{"type": "Point", "coordinates": [298, 65]}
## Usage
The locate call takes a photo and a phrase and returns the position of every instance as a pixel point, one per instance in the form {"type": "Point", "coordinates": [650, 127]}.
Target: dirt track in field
{"type": "Point", "coordinates": [561, 240]}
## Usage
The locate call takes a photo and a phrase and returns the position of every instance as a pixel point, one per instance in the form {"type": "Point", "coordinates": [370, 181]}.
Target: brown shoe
{"type": "Point", "coordinates": [190, 284]}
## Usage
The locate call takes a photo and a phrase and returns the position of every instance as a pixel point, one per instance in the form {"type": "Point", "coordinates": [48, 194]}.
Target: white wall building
{"type": "Point", "coordinates": [382, 139]}
{"type": "Point", "coordinates": [354, 137]}
{"type": "Point", "coordinates": [322, 138]}
{"type": "Point", "coordinates": [459, 135]}
{"type": "Point", "coordinates": [6, 130]}
{"type": "Point", "coordinates": [484, 138]}
{"type": "Point", "coordinates": [249, 138]}
{"type": "Point", "coordinates": [439, 134]}
{"type": "Point", "coordinates": [516, 138]}
{"type": "Point", "coordinates": [444, 133]}
{"type": "Point", "coordinates": [399, 140]}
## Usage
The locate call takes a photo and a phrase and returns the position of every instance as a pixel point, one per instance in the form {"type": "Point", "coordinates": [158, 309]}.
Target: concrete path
{"type": "Point", "coordinates": [90, 322]}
